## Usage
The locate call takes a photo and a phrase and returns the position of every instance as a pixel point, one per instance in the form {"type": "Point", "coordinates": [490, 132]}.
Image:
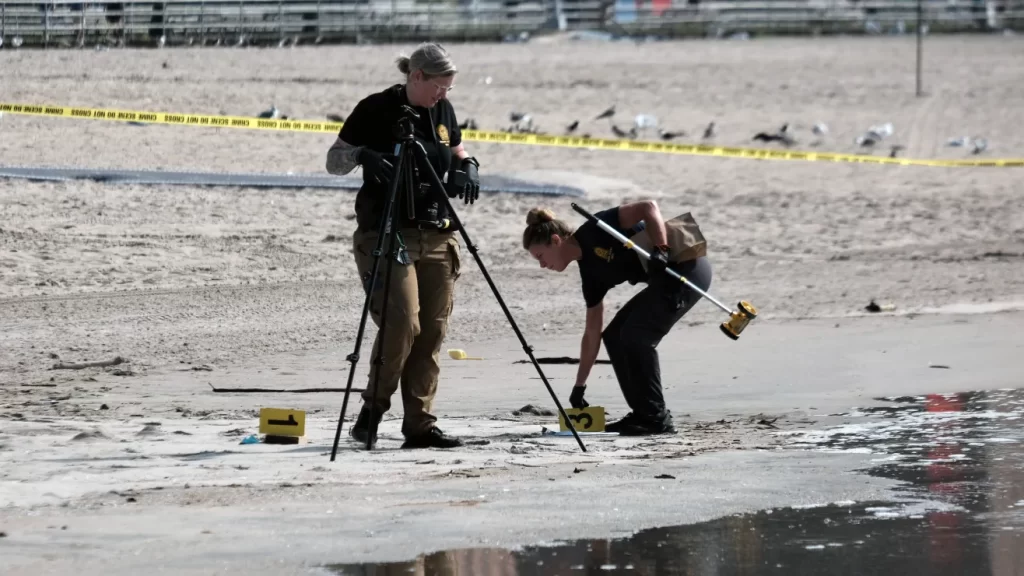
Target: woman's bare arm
{"type": "Point", "coordinates": [591, 343]}
{"type": "Point", "coordinates": [647, 210]}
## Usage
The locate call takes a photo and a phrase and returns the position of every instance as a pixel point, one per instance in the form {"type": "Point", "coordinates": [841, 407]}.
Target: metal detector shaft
{"type": "Point", "coordinates": [643, 254]}
{"type": "Point", "coordinates": [439, 188]}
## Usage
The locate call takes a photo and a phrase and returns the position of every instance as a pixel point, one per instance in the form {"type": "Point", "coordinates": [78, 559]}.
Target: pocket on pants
{"type": "Point", "coordinates": [454, 258]}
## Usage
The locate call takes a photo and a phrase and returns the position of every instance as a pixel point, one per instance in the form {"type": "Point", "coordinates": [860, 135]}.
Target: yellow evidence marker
{"type": "Point", "coordinates": [589, 419]}
{"type": "Point", "coordinates": [282, 425]}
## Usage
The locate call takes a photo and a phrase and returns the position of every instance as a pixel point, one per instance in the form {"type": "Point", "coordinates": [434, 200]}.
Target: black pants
{"type": "Point", "coordinates": [632, 336]}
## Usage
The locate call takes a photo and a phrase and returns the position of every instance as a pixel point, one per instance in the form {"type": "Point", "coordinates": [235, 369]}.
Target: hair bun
{"type": "Point", "coordinates": [539, 216]}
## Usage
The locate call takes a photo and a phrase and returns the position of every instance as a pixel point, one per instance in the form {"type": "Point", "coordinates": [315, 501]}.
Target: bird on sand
{"type": "Point", "coordinates": [469, 124]}
{"type": "Point", "coordinates": [622, 133]}
{"type": "Point", "coordinates": [980, 144]}
{"type": "Point", "coordinates": [895, 150]}
{"type": "Point", "coordinates": [607, 113]}
{"type": "Point", "coordinates": [272, 113]}
{"type": "Point", "coordinates": [709, 132]}
{"type": "Point", "coordinates": [781, 136]}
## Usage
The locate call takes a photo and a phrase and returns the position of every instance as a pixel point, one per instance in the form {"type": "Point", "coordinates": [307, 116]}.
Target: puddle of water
{"type": "Point", "coordinates": [960, 511]}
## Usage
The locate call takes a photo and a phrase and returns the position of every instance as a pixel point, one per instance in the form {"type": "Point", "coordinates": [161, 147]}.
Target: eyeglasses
{"type": "Point", "coordinates": [440, 88]}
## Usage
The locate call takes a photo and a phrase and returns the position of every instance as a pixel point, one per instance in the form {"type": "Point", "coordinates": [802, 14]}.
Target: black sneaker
{"type": "Point", "coordinates": [661, 424]}
{"type": "Point", "coordinates": [433, 438]}
{"type": "Point", "coordinates": [617, 425]}
{"type": "Point", "coordinates": [361, 429]}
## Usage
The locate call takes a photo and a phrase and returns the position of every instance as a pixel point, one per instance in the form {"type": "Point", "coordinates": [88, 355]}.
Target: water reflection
{"type": "Point", "coordinates": [963, 512]}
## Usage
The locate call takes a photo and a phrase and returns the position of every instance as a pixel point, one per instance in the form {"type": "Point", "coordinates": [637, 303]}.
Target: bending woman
{"type": "Point", "coordinates": [631, 338]}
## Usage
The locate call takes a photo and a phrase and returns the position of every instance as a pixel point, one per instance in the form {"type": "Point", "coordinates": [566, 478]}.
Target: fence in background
{"type": "Point", "coordinates": [65, 24]}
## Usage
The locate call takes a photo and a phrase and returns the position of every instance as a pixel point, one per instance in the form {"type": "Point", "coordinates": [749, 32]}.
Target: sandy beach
{"type": "Point", "coordinates": [140, 464]}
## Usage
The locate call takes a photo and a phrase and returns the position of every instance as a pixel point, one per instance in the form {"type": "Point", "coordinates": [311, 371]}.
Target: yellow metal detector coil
{"type": "Point", "coordinates": [739, 319]}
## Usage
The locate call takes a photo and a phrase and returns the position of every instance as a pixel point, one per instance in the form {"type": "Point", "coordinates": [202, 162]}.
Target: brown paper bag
{"type": "Point", "coordinates": [685, 240]}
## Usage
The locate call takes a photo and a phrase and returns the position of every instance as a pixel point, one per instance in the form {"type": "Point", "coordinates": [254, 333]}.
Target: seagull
{"type": "Point", "coordinates": [709, 132]}
{"type": "Point", "coordinates": [866, 140]}
{"type": "Point", "coordinates": [781, 136]}
{"type": "Point", "coordinates": [162, 41]}
{"type": "Point", "coordinates": [882, 130]}
{"type": "Point", "coordinates": [980, 144]}
{"type": "Point", "coordinates": [520, 122]}
{"type": "Point", "coordinates": [272, 113]}
{"type": "Point", "coordinates": [16, 42]}
{"type": "Point", "coordinates": [875, 134]}
{"type": "Point", "coordinates": [572, 127]}
{"type": "Point", "coordinates": [644, 121]}
{"type": "Point", "coordinates": [895, 148]}
{"type": "Point", "coordinates": [607, 113]}
{"type": "Point", "coordinates": [469, 124]}
{"type": "Point", "coordinates": [957, 142]}
{"type": "Point", "coordinates": [623, 134]}
{"type": "Point", "coordinates": [820, 129]}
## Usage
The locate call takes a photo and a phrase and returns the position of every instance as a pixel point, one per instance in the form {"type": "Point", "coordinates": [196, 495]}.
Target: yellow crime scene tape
{"type": "Point", "coordinates": [248, 123]}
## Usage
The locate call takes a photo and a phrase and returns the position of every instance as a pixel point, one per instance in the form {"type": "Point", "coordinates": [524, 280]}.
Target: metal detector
{"type": "Point", "coordinates": [738, 319]}
{"type": "Point", "coordinates": [406, 142]}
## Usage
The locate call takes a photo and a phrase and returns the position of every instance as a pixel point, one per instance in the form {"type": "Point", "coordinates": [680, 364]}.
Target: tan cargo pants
{"type": "Point", "coordinates": [419, 304]}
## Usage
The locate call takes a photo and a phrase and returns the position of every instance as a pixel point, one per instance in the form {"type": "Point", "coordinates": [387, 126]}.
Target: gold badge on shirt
{"type": "Point", "coordinates": [442, 134]}
{"type": "Point", "coordinates": [604, 253]}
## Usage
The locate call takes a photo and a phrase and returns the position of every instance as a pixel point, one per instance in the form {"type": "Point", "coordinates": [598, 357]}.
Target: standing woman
{"type": "Point", "coordinates": [423, 279]}
{"type": "Point", "coordinates": [632, 336]}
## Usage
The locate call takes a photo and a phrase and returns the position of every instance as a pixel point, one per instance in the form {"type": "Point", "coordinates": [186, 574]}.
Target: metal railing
{"type": "Point", "coordinates": [61, 23]}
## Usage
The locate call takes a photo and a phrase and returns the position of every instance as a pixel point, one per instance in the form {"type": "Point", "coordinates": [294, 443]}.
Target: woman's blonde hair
{"type": "Point", "coordinates": [541, 225]}
{"type": "Point", "coordinates": [429, 57]}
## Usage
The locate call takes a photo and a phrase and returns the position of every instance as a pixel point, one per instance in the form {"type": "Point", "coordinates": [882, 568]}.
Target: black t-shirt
{"type": "Point", "coordinates": [373, 124]}
{"type": "Point", "coordinates": [606, 263]}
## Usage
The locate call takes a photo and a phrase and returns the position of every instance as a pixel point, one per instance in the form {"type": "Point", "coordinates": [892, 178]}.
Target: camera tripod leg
{"type": "Point", "coordinates": [371, 433]}
{"type": "Point", "coordinates": [438, 186]}
{"type": "Point", "coordinates": [385, 228]}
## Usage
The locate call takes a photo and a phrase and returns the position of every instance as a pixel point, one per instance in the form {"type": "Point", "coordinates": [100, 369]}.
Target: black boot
{"type": "Point", "coordinates": [617, 426]}
{"type": "Point", "coordinates": [361, 429]}
{"type": "Point", "coordinates": [649, 425]}
{"type": "Point", "coordinates": [432, 438]}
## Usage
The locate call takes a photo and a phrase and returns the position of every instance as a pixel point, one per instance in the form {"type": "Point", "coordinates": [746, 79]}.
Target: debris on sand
{"type": "Point", "coordinates": [665, 477]}
{"type": "Point", "coordinates": [98, 364]}
{"type": "Point", "coordinates": [560, 360]}
{"type": "Point", "coordinates": [942, 366]}
{"type": "Point", "coordinates": [875, 307]}
{"type": "Point", "coordinates": [294, 390]}
{"type": "Point", "coordinates": [531, 410]}
{"type": "Point", "coordinates": [152, 429]}
{"type": "Point", "coordinates": [91, 435]}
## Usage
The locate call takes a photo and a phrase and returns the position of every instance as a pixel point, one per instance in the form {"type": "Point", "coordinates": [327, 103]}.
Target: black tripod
{"type": "Point", "coordinates": [405, 164]}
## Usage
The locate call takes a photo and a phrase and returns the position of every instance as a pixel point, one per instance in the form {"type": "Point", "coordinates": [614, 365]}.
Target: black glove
{"type": "Point", "coordinates": [658, 262]}
{"type": "Point", "coordinates": [576, 398]}
{"type": "Point", "coordinates": [375, 165]}
{"type": "Point", "coordinates": [469, 188]}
